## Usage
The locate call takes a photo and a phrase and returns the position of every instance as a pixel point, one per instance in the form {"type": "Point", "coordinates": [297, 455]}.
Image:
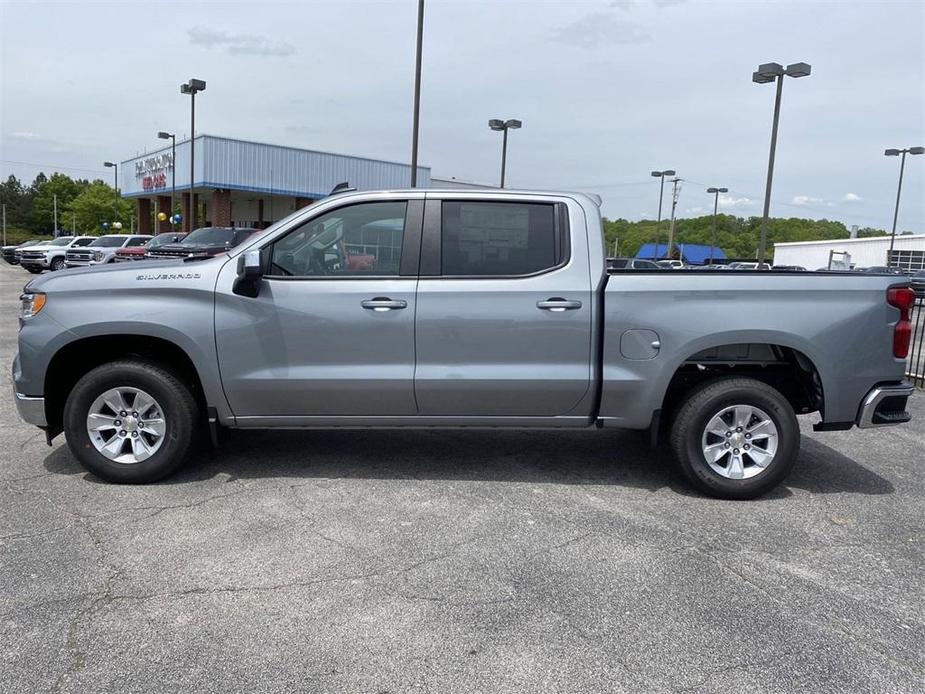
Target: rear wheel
{"type": "Point", "coordinates": [735, 438]}
{"type": "Point", "coordinates": [130, 421]}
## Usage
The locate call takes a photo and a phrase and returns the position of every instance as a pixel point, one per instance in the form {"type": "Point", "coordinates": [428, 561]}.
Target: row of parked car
{"type": "Point", "coordinates": [917, 277]}
{"type": "Point", "coordinates": [643, 264]}
{"type": "Point", "coordinates": [87, 251]}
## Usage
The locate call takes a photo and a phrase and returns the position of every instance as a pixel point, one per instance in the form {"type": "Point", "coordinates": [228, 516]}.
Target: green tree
{"type": "Point", "coordinates": [18, 201]}
{"type": "Point", "coordinates": [98, 203]}
{"type": "Point", "coordinates": [59, 186]}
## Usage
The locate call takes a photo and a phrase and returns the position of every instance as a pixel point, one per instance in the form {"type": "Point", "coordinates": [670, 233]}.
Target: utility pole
{"type": "Point", "coordinates": [4, 224]}
{"type": "Point", "coordinates": [674, 203]}
{"type": "Point", "coordinates": [55, 231]}
{"type": "Point", "coordinates": [416, 116]}
{"type": "Point", "coordinates": [74, 223]}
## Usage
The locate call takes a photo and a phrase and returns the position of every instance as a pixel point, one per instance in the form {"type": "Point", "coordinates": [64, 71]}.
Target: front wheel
{"type": "Point", "coordinates": [735, 438]}
{"type": "Point", "coordinates": [57, 264]}
{"type": "Point", "coordinates": [130, 421]}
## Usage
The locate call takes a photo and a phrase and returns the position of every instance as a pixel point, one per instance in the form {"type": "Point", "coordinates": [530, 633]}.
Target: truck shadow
{"type": "Point", "coordinates": [535, 457]}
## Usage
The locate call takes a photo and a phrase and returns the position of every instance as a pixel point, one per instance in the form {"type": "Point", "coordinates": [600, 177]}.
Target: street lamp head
{"type": "Point", "coordinates": [767, 72]}
{"type": "Point", "coordinates": [513, 124]}
{"type": "Point", "coordinates": [917, 150]}
{"type": "Point", "coordinates": [108, 164]}
{"type": "Point", "coordinates": [496, 124]}
{"type": "Point", "coordinates": [193, 86]}
{"type": "Point", "coordinates": [723, 190]}
{"type": "Point", "coordinates": [891, 153]}
{"type": "Point", "coordinates": [164, 136]}
{"type": "Point", "coordinates": [712, 190]}
{"type": "Point", "coordinates": [798, 70]}
{"type": "Point", "coordinates": [657, 174]}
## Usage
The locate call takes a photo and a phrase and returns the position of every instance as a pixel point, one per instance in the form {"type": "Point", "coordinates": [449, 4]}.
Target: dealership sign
{"type": "Point", "coordinates": [153, 171]}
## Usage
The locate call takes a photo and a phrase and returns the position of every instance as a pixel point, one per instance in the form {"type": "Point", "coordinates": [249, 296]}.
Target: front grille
{"type": "Point", "coordinates": [33, 255]}
{"type": "Point", "coordinates": [80, 256]}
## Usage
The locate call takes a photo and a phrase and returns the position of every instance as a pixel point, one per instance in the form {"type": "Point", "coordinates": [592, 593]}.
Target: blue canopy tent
{"type": "Point", "coordinates": [690, 253]}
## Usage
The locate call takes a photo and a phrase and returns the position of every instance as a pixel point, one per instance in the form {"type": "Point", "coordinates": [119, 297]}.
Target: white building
{"type": "Point", "coordinates": [908, 252]}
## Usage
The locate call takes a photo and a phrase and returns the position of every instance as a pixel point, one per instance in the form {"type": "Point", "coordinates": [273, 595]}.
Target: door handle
{"type": "Point", "coordinates": [383, 303]}
{"type": "Point", "coordinates": [558, 304]}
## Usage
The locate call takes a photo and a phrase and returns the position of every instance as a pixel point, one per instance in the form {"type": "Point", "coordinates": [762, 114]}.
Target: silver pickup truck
{"type": "Point", "coordinates": [456, 309]}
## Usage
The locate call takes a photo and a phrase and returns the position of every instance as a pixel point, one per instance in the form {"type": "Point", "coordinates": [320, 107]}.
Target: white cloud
{"type": "Point", "coordinates": [694, 210]}
{"type": "Point", "coordinates": [852, 197]}
{"type": "Point", "coordinates": [806, 200]}
{"type": "Point", "coordinates": [239, 44]}
{"type": "Point", "coordinates": [731, 202]}
{"type": "Point", "coordinates": [25, 136]}
{"type": "Point", "coordinates": [599, 29]}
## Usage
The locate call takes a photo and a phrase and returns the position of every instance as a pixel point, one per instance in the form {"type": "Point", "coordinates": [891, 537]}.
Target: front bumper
{"type": "Point", "coordinates": [885, 405]}
{"type": "Point", "coordinates": [31, 263]}
{"type": "Point", "coordinates": [31, 410]}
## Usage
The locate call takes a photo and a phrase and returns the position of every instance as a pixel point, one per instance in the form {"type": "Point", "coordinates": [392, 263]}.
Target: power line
{"type": "Point", "coordinates": [51, 167]}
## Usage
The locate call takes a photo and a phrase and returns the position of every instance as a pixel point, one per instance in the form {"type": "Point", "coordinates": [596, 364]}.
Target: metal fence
{"type": "Point", "coordinates": [915, 363]}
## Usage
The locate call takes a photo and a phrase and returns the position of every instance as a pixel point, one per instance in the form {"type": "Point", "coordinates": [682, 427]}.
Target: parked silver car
{"type": "Point", "coordinates": [103, 249]}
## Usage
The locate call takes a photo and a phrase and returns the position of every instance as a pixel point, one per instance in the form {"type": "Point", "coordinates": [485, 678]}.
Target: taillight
{"type": "Point", "coordinates": [902, 298]}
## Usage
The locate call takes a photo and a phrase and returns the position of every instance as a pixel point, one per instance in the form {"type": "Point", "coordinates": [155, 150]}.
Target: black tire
{"type": "Point", "coordinates": [57, 264]}
{"type": "Point", "coordinates": [181, 414]}
{"type": "Point", "coordinates": [701, 405]}
{"type": "Point", "coordinates": [34, 271]}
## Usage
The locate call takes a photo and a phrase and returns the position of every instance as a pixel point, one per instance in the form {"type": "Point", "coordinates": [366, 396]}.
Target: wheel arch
{"type": "Point", "coordinates": [782, 362]}
{"type": "Point", "coordinates": [76, 358]}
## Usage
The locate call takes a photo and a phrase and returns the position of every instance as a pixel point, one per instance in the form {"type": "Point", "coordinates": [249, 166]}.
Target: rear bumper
{"type": "Point", "coordinates": [884, 405]}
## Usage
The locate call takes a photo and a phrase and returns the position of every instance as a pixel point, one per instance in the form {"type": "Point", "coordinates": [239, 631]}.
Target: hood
{"type": "Point", "coordinates": [46, 282]}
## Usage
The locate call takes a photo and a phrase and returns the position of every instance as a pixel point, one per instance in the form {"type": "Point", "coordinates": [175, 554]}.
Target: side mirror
{"type": "Point", "coordinates": [250, 271]}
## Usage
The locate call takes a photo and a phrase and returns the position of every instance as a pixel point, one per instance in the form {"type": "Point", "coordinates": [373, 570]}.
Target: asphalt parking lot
{"type": "Point", "coordinates": [458, 562]}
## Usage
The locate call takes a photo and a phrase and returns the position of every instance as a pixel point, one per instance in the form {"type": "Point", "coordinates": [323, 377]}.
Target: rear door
{"type": "Point", "coordinates": [504, 308]}
{"type": "Point", "coordinates": [331, 332]}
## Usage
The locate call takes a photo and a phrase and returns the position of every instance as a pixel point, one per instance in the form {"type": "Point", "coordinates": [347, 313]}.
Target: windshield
{"type": "Point", "coordinates": [617, 263]}
{"type": "Point", "coordinates": [83, 242]}
{"type": "Point", "coordinates": [61, 241]}
{"type": "Point", "coordinates": [109, 241]}
{"type": "Point", "coordinates": [920, 273]}
{"type": "Point", "coordinates": [161, 239]}
{"type": "Point", "coordinates": [210, 236]}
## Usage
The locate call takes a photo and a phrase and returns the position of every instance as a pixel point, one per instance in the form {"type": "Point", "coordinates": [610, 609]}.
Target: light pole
{"type": "Point", "coordinates": [899, 189]}
{"type": "Point", "coordinates": [115, 180]}
{"type": "Point", "coordinates": [192, 88]}
{"type": "Point", "coordinates": [417, 96]}
{"type": "Point", "coordinates": [173, 168]}
{"type": "Point", "coordinates": [715, 192]}
{"type": "Point", "coordinates": [661, 194]}
{"type": "Point", "coordinates": [504, 126]}
{"type": "Point", "coordinates": [766, 73]}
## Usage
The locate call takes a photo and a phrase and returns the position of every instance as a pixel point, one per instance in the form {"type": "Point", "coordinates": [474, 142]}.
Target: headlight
{"type": "Point", "coordinates": [98, 256]}
{"type": "Point", "coordinates": [31, 303]}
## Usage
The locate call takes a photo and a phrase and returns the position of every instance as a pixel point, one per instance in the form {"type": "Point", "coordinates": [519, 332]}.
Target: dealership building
{"type": "Point", "coordinates": [244, 184]}
{"type": "Point", "coordinates": [908, 252]}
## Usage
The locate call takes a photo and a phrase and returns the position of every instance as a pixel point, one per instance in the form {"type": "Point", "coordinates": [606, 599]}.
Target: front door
{"type": "Point", "coordinates": [504, 310]}
{"type": "Point", "coordinates": [331, 331]}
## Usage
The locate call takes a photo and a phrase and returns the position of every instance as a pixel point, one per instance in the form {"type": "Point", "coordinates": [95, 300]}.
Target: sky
{"type": "Point", "coordinates": [608, 91]}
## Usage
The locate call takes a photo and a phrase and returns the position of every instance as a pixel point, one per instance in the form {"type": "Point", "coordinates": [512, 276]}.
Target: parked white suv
{"type": "Point", "coordinates": [103, 249]}
{"type": "Point", "coordinates": [50, 256]}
